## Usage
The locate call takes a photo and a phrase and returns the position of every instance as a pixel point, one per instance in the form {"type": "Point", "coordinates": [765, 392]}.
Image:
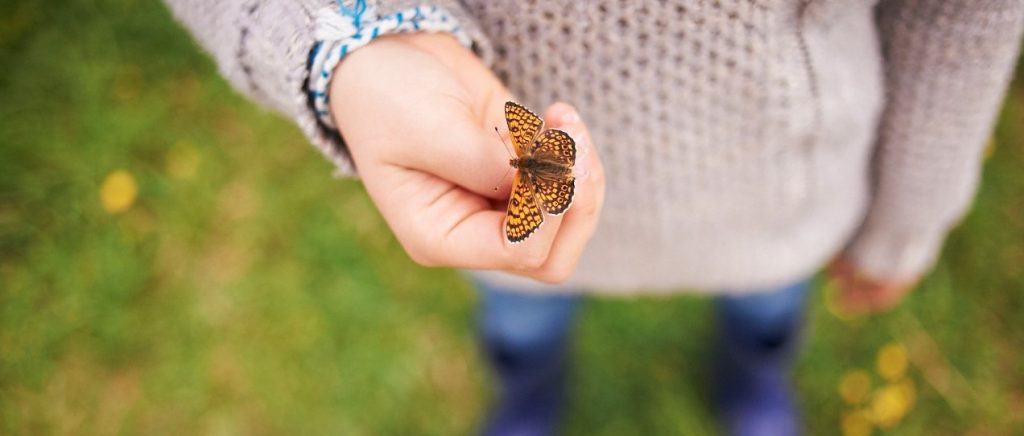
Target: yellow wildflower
{"type": "Point", "coordinates": [892, 361]}
{"type": "Point", "coordinates": [856, 423]}
{"type": "Point", "coordinates": [118, 191]}
{"type": "Point", "coordinates": [855, 386]}
{"type": "Point", "coordinates": [888, 406]}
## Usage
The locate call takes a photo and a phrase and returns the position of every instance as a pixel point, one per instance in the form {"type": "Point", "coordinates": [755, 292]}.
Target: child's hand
{"type": "Point", "coordinates": [418, 113]}
{"type": "Point", "coordinates": [860, 294]}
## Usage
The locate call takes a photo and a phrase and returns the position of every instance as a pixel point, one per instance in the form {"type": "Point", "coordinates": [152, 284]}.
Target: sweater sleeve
{"type": "Point", "coordinates": [947, 67]}
{"type": "Point", "coordinates": [263, 49]}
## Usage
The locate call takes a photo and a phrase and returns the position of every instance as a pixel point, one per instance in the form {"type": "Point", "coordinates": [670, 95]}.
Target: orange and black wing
{"type": "Point", "coordinates": [555, 193]}
{"type": "Point", "coordinates": [523, 126]}
{"type": "Point", "coordinates": [555, 189]}
{"type": "Point", "coordinates": [555, 145]}
{"type": "Point", "coordinates": [524, 216]}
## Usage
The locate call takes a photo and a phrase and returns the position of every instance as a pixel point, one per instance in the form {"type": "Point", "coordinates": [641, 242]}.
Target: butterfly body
{"type": "Point", "coordinates": [544, 179]}
{"type": "Point", "coordinates": [541, 167]}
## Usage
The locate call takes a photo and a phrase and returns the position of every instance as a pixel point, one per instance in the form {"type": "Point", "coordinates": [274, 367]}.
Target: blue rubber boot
{"type": "Point", "coordinates": [525, 340]}
{"type": "Point", "coordinates": [759, 338]}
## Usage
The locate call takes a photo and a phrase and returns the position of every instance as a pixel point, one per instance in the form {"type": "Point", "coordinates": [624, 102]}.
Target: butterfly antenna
{"type": "Point", "coordinates": [502, 138]}
{"type": "Point", "coordinates": [510, 155]}
{"type": "Point", "coordinates": [502, 178]}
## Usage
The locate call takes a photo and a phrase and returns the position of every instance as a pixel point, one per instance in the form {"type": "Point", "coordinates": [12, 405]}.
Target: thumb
{"type": "Point", "coordinates": [465, 150]}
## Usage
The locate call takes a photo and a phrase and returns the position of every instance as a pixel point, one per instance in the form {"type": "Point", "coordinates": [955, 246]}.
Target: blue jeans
{"type": "Point", "coordinates": [524, 338]}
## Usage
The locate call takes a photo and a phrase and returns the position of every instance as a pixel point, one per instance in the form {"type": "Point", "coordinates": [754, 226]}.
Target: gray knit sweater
{"type": "Point", "coordinates": [745, 142]}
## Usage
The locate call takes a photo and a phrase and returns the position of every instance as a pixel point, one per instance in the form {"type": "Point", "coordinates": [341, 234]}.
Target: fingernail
{"type": "Point", "coordinates": [572, 126]}
{"type": "Point", "coordinates": [582, 146]}
{"type": "Point", "coordinates": [579, 172]}
{"type": "Point", "coordinates": [570, 118]}
{"type": "Point", "coordinates": [579, 169]}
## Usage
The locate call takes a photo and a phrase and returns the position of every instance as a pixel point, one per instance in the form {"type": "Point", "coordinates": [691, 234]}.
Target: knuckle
{"type": "Point", "coordinates": [554, 275]}
{"type": "Point", "coordinates": [421, 258]}
{"type": "Point", "coordinates": [417, 254]}
{"type": "Point", "coordinates": [532, 260]}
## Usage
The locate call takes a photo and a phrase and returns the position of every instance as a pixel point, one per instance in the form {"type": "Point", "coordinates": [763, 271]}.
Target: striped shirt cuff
{"type": "Point", "coordinates": [339, 31]}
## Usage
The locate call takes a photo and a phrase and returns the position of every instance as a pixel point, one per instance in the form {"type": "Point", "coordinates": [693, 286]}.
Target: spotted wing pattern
{"type": "Point", "coordinates": [555, 185]}
{"type": "Point", "coordinates": [523, 126]}
{"type": "Point", "coordinates": [557, 146]}
{"type": "Point", "coordinates": [555, 194]}
{"type": "Point", "coordinates": [524, 216]}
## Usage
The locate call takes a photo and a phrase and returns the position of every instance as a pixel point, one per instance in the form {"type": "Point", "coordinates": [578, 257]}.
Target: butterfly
{"type": "Point", "coordinates": [543, 179]}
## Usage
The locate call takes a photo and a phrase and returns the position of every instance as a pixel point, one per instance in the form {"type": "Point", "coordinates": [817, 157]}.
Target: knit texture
{"type": "Point", "coordinates": [263, 49]}
{"type": "Point", "coordinates": [745, 143]}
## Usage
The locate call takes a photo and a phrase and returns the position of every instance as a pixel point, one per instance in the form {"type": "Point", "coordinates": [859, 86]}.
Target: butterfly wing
{"type": "Point", "coordinates": [524, 216]}
{"type": "Point", "coordinates": [523, 126]}
{"type": "Point", "coordinates": [557, 146]}
{"type": "Point", "coordinates": [555, 193]}
{"type": "Point", "coordinates": [555, 185]}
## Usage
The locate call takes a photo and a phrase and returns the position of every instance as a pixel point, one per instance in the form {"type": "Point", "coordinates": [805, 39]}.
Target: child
{"type": "Point", "coordinates": [728, 147]}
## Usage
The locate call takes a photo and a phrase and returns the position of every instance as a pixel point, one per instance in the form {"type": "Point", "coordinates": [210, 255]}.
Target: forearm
{"type": "Point", "coordinates": [263, 48]}
{"type": "Point", "coordinates": [947, 67]}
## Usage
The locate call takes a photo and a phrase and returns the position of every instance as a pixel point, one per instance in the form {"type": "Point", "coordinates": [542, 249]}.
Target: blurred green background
{"type": "Point", "coordinates": [174, 260]}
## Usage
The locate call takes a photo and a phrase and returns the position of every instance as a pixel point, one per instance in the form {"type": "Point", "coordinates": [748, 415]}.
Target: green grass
{"type": "Point", "coordinates": [247, 291]}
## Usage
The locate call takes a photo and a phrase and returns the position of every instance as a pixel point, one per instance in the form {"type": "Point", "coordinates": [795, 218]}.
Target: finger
{"type": "Point", "coordinates": [855, 294]}
{"type": "Point", "coordinates": [580, 221]}
{"type": "Point", "coordinates": [440, 224]}
{"type": "Point", "coordinates": [523, 257]}
{"type": "Point", "coordinates": [471, 244]}
{"type": "Point", "coordinates": [860, 295]}
{"type": "Point", "coordinates": [474, 155]}
{"type": "Point", "coordinates": [462, 151]}
{"type": "Point", "coordinates": [479, 242]}
{"type": "Point", "coordinates": [889, 295]}
{"type": "Point", "coordinates": [853, 298]}
{"type": "Point", "coordinates": [433, 124]}
{"type": "Point", "coordinates": [841, 267]}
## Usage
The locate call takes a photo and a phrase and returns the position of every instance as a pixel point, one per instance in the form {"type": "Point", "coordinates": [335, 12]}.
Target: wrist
{"type": "Point", "coordinates": [892, 254]}
{"type": "Point", "coordinates": [368, 63]}
{"type": "Point", "coordinates": [370, 84]}
{"type": "Point", "coordinates": [344, 30]}
{"type": "Point", "coordinates": [443, 46]}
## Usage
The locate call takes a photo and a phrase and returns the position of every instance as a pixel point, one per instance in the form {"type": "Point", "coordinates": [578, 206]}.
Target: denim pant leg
{"type": "Point", "coordinates": [759, 335]}
{"type": "Point", "coordinates": [763, 318]}
{"type": "Point", "coordinates": [524, 338]}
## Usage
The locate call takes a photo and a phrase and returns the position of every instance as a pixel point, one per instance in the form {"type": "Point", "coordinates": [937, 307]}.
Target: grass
{"type": "Point", "coordinates": [246, 291]}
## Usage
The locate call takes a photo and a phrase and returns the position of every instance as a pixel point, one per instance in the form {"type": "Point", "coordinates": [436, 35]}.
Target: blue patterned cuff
{"type": "Point", "coordinates": [341, 30]}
